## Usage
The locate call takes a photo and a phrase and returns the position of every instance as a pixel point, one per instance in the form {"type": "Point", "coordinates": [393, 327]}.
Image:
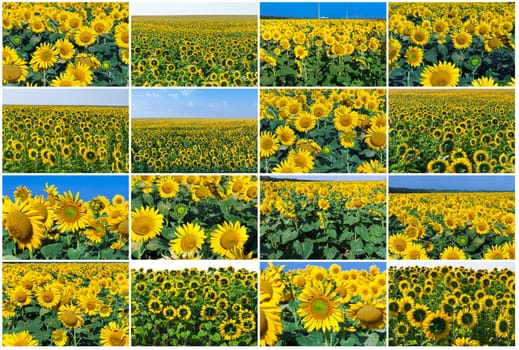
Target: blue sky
{"type": "Point", "coordinates": [292, 265]}
{"type": "Point", "coordinates": [194, 8]}
{"type": "Point", "coordinates": [455, 182]}
{"type": "Point", "coordinates": [88, 186]}
{"type": "Point", "coordinates": [196, 103]}
{"type": "Point", "coordinates": [328, 9]}
{"type": "Point", "coordinates": [64, 96]}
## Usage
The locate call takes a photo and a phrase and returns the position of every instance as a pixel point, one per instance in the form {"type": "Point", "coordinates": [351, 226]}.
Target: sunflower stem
{"type": "Point", "coordinates": [408, 82]}
{"type": "Point", "coordinates": [74, 335]}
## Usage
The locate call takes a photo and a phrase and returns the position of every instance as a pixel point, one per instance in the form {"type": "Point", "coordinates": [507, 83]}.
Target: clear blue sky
{"type": "Point", "coordinates": [348, 10]}
{"type": "Point", "coordinates": [197, 103]}
{"type": "Point", "coordinates": [66, 96]}
{"type": "Point", "coordinates": [294, 265]}
{"type": "Point", "coordinates": [88, 186]}
{"type": "Point", "coordinates": [145, 8]}
{"type": "Point", "coordinates": [455, 182]}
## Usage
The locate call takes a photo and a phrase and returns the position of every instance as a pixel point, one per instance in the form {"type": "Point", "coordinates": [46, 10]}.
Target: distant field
{"type": "Point", "coordinates": [194, 145]}
{"type": "Point", "coordinates": [194, 50]}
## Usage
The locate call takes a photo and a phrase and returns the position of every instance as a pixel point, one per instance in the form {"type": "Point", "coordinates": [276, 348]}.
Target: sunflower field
{"type": "Point", "coordinates": [176, 145]}
{"type": "Point", "coordinates": [193, 307]}
{"type": "Point", "coordinates": [452, 225]}
{"type": "Point", "coordinates": [322, 219]}
{"type": "Point", "coordinates": [451, 306]}
{"type": "Point", "coordinates": [323, 131]}
{"type": "Point", "coordinates": [65, 44]}
{"type": "Point", "coordinates": [194, 217]}
{"type": "Point", "coordinates": [63, 226]}
{"type": "Point", "coordinates": [194, 51]}
{"type": "Point", "coordinates": [452, 44]}
{"type": "Point", "coordinates": [73, 139]}
{"type": "Point", "coordinates": [458, 131]}
{"type": "Point", "coordinates": [315, 306]}
{"type": "Point", "coordinates": [70, 304]}
{"type": "Point", "coordinates": [322, 52]}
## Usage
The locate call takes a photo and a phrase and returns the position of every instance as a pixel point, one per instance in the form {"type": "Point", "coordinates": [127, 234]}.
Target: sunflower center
{"type": "Point", "coordinates": [69, 318]}
{"type": "Point", "coordinates": [378, 139]}
{"type": "Point", "coordinates": [188, 243]}
{"type": "Point", "coordinates": [346, 121]}
{"type": "Point", "coordinates": [168, 188]}
{"type": "Point", "coordinates": [71, 213]}
{"type": "Point", "coordinates": [419, 36]}
{"type": "Point", "coordinates": [320, 307]}
{"type": "Point", "coordinates": [494, 43]}
{"type": "Point", "coordinates": [46, 55]}
{"type": "Point", "coordinates": [440, 78]}
{"type": "Point", "coordinates": [11, 72]}
{"type": "Point", "coordinates": [124, 37]}
{"type": "Point", "coordinates": [438, 325]}
{"type": "Point", "coordinates": [267, 144]}
{"type": "Point", "coordinates": [143, 226]}
{"type": "Point", "coordinates": [419, 315]}
{"type": "Point", "coordinates": [47, 296]}
{"type": "Point", "coordinates": [467, 319]}
{"type": "Point", "coordinates": [20, 296]}
{"type": "Point", "coordinates": [19, 226]}
{"type": "Point", "coordinates": [85, 37]}
{"type": "Point", "coordinates": [305, 123]}
{"type": "Point", "coordinates": [503, 326]}
{"type": "Point", "coordinates": [229, 240]}
{"type": "Point", "coordinates": [116, 338]}
{"type": "Point", "coordinates": [369, 314]}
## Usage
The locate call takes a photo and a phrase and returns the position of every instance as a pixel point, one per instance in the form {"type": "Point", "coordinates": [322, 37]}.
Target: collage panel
{"type": "Point", "coordinates": [205, 217]}
{"type": "Point", "coordinates": [323, 130]}
{"type": "Point", "coordinates": [195, 304]}
{"type": "Point", "coordinates": [65, 43]}
{"type": "Point", "coordinates": [451, 303]}
{"type": "Point", "coordinates": [323, 303]}
{"type": "Point", "coordinates": [65, 217]}
{"type": "Point", "coordinates": [194, 130]}
{"type": "Point", "coordinates": [444, 217]}
{"type": "Point", "coordinates": [323, 44]}
{"type": "Point", "coordinates": [65, 304]}
{"type": "Point", "coordinates": [66, 131]}
{"type": "Point", "coordinates": [452, 131]}
{"type": "Point", "coordinates": [195, 44]}
{"type": "Point", "coordinates": [451, 44]}
{"type": "Point", "coordinates": [323, 218]}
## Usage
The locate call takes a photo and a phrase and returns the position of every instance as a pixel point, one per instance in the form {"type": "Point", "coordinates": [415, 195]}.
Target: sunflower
{"type": "Point", "coordinates": [461, 39]}
{"type": "Point", "coordinates": [417, 314]}
{"type": "Point", "coordinates": [398, 243]}
{"type": "Point", "coordinates": [376, 137]}
{"type": "Point", "coordinates": [319, 307]}
{"type": "Point", "coordinates": [440, 74]}
{"type": "Point", "coordinates": [65, 79]}
{"type": "Point", "coordinates": [467, 318]}
{"type": "Point", "coordinates": [300, 52]}
{"type": "Point", "coordinates": [189, 238]}
{"type": "Point", "coordinates": [65, 49]}
{"type": "Point", "coordinates": [414, 56]}
{"type": "Point", "coordinates": [495, 252]}
{"type": "Point", "coordinates": [70, 316]}
{"type": "Point", "coordinates": [394, 50]}
{"type": "Point", "coordinates": [345, 119]}
{"type": "Point", "coordinates": [155, 306]}
{"type": "Point", "coordinates": [420, 36]}
{"type": "Point", "coordinates": [23, 224]}
{"type": "Point", "coordinates": [270, 323]}
{"type": "Point", "coordinates": [401, 329]}
{"type": "Point", "coordinates": [114, 334]}
{"type": "Point", "coordinates": [371, 315]}
{"type": "Point", "coordinates": [81, 73]}
{"type": "Point", "coordinates": [14, 70]}
{"type": "Point", "coordinates": [268, 144]}
{"type": "Point", "coordinates": [48, 296]}
{"type": "Point", "coordinates": [482, 226]}
{"type": "Point", "coordinates": [503, 327]}
{"type": "Point", "coordinates": [59, 337]}
{"type": "Point", "coordinates": [167, 186]}
{"type": "Point", "coordinates": [305, 122]}
{"type": "Point", "coordinates": [184, 312]}
{"type": "Point", "coordinates": [44, 57]}
{"type": "Point", "coordinates": [20, 295]}
{"type": "Point", "coordinates": [452, 253]}
{"type": "Point", "coordinates": [302, 159]}
{"type": "Point", "coordinates": [465, 342]}
{"type": "Point", "coordinates": [85, 36]}
{"type": "Point", "coordinates": [436, 325]}
{"type": "Point", "coordinates": [70, 212]}
{"type": "Point", "coordinates": [146, 224]}
{"type": "Point", "coordinates": [122, 35]}
{"type": "Point", "coordinates": [209, 312]}
{"type": "Point", "coordinates": [23, 338]}
{"type": "Point", "coordinates": [227, 236]}
{"type": "Point", "coordinates": [89, 304]}
{"type": "Point", "coordinates": [438, 166]}
{"type": "Point", "coordinates": [286, 135]}
{"type": "Point", "coordinates": [484, 81]}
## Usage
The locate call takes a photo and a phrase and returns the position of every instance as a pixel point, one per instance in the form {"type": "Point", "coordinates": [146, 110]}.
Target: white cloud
{"type": "Point", "coordinates": [152, 94]}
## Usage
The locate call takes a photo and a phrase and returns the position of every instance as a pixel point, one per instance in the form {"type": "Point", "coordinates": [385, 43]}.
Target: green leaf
{"type": "Point", "coordinates": [351, 341]}
{"type": "Point", "coordinates": [330, 252]}
{"type": "Point", "coordinates": [312, 339]}
{"type": "Point", "coordinates": [288, 236]}
{"type": "Point", "coordinates": [52, 251]}
{"type": "Point", "coordinates": [304, 249]}
{"type": "Point", "coordinates": [372, 340]}
{"type": "Point", "coordinates": [76, 254]}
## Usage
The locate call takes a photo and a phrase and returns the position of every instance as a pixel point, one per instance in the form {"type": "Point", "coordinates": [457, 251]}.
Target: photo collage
{"type": "Point", "coordinates": [258, 173]}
